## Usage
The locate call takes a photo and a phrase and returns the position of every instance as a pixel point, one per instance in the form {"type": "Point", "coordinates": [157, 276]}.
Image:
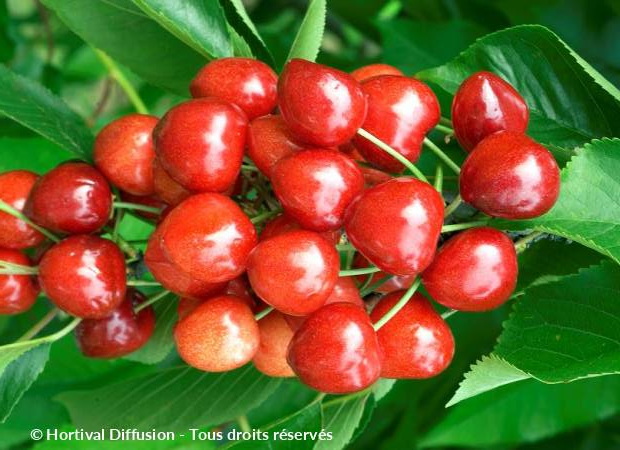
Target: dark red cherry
{"type": "Point", "coordinates": [166, 188]}
{"type": "Point", "coordinates": [275, 336]}
{"type": "Point", "coordinates": [510, 175]}
{"type": "Point", "coordinates": [200, 144]}
{"type": "Point", "coordinates": [17, 292]}
{"type": "Point", "coordinates": [294, 272]}
{"type": "Point", "coordinates": [15, 187]}
{"type": "Point", "coordinates": [122, 332]}
{"type": "Point", "coordinates": [283, 223]}
{"type": "Point", "coordinates": [485, 104]}
{"type": "Point", "coordinates": [219, 335]}
{"type": "Point", "coordinates": [416, 342]}
{"type": "Point", "coordinates": [321, 106]}
{"type": "Point", "coordinates": [401, 110]}
{"type": "Point", "coordinates": [248, 83]}
{"type": "Point", "coordinates": [84, 276]}
{"type": "Point", "coordinates": [336, 350]}
{"type": "Point", "coordinates": [396, 225]}
{"type": "Point", "coordinates": [374, 70]}
{"type": "Point", "coordinates": [395, 283]}
{"type": "Point", "coordinates": [316, 186]}
{"type": "Point", "coordinates": [124, 153]}
{"type": "Point", "coordinates": [476, 270]}
{"type": "Point", "coordinates": [73, 198]}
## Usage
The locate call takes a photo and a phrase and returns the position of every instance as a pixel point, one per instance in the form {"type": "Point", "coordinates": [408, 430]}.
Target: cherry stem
{"type": "Point", "coordinates": [448, 313]}
{"type": "Point", "coordinates": [463, 226]}
{"type": "Point", "coordinates": [264, 216]}
{"type": "Point", "coordinates": [5, 207]}
{"type": "Point", "coordinates": [441, 155]}
{"type": "Point", "coordinates": [7, 268]}
{"type": "Point", "coordinates": [438, 183]}
{"type": "Point", "coordinates": [244, 424]}
{"type": "Point", "coordinates": [396, 155]}
{"type": "Point", "coordinates": [263, 313]}
{"type": "Point", "coordinates": [250, 168]}
{"type": "Point", "coordinates": [454, 205]}
{"type": "Point", "coordinates": [362, 271]}
{"type": "Point", "coordinates": [37, 327]}
{"type": "Point", "coordinates": [137, 207]}
{"type": "Point", "coordinates": [365, 290]}
{"type": "Point", "coordinates": [444, 129]}
{"type": "Point", "coordinates": [398, 306]}
{"type": "Point", "coordinates": [445, 121]}
{"type": "Point", "coordinates": [50, 338]}
{"type": "Point", "coordinates": [521, 244]}
{"type": "Point", "coordinates": [122, 81]}
{"type": "Point", "coordinates": [142, 283]}
{"type": "Point", "coordinates": [344, 247]}
{"type": "Point", "coordinates": [151, 300]}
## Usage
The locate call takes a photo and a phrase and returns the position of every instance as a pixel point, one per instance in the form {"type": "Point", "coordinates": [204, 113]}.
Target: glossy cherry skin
{"type": "Point", "coordinates": [476, 270]}
{"type": "Point", "coordinates": [396, 225]}
{"type": "Point", "coordinates": [15, 186]}
{"type": "Point", "coordinates": [395, 283]}
{"type": "Point", "coordinates": [283, 223]}
{"type": "Point", "coordinates": [336, 350]}
{"type": "Point", "coordinates": [248, 83]}
{"type": "Point", "coordinates": [124, 153]}
{"type": "Point", "coordinates": [84, 276]}
{"type": "Point", "coordinates": [238, 287]}
{"type": "Point", "coordinates": [374, 70]}
{"type": "Point", "coordinates": [275, 337]}
{"type": "Point", "coordinates": [321, 106]}
{"type": "Point", "coordinates": [416, 342]}
{"type": "Point", "coordinates": [200, 144]}
{"type": "Point", "coordinates": [73, 198]}
{"type": "Point", "coordinates": [17, 292]}
{"type": "Point", "coordinates": [401, 110]}
{"type": "Point", "coordinates": [219, 335]}
{"type": "Point", "coordinates": [316, 186]}
{"type": "Point", "coordinates": [166, 188]}
{"type": "Point", "coordinates": [485, 104]}
{"type": "Point", "coordinates": [373, 177]}
{"type": "Point", "coordinates": [294, 272]}
{"type": "Point", "coordinates": [510, 175]}
{"type": "Point", "coordinates": [122, 332]}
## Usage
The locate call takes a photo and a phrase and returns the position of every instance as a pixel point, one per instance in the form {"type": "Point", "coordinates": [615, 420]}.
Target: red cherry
{"type": "Point", "coordinates": [374, 70]}
{"type": "Point", "coordinates": [84, 276]}
{"type": "Point", "coordinates": [476, 270]}
{"type": "Point", "coordinates": [237, 288]}
{"type": "Point", "coordinates": [283, 223]}
{"type": "Point", "coordinates": [395, 283]}
{"type": "Point", "coordinates": [510, 175]}
{"type": "Point", "coordinates": [200, 143]}
{"type": "Point", "coordinates": [15, 186]}
{"type": "Point", "coordinates": [248, 83]}
{"type": "Point", "coordinates": [373, 177]}
{"type": "Point", "coordinates": [401, 111]}
{"type": "Point", "coordinates": [17, 292]}
{"type": "Point", "coordinates": [122, 332]}
{"type": "Point", "coordinates": [321, 106]}
{"type": "Point", "coordinates": [396, 225]}
{"type": "Point", "coordinates": [416, 342]}
{"type": "Point", "coordinates": [73, 198]}
{"type": "Point", "coordinates": [219, 335]}
{"type": "Point", "coordinates": [294, 272]}
{"type": "Point", "coordinates": [166, 188]}
{"type": "Point", "coordinates": [275, 336]}
{"type": "Point", "coordinates": [345, 291]}
{"type": "Point", "coordinates": [336, 350]}
{"type": "Point", "coordinates": [485, 104]}
{"type": "Point", "coordinates": [124, 153]}
{"type": "Point", "coordinates": [148, 200]}
{"type": "Point", "coordinates": [316, 186]}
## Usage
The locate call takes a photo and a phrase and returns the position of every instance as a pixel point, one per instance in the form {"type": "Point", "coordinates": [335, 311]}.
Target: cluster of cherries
{"type": "Point", "coordinates": [221, 164]}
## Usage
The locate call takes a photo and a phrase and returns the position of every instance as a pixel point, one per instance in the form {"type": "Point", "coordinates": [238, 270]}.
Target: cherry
{"type": "Point", "coordinates": [17, 292]}
{"type": "Point", "coordinates": [510, 175]}
{"type": "Point", "coordinates": [401, 110]}
{"type": "Point", "coordinates": [122, 332]}
{"type": "Point", "coordinates": [393, 284]}
{"type": "Point", "coordinates": [321, 106]}
{"type": "Point", "coordinates": [396, 225]}
{"type": "Point", "coordinates": [316, 186]}
{"type": "Point", "coordinates": [200, 144]}
{"type": "Point", "coordinates": [373, 177]}
{"type": "Point", "coordinates": [283, 223]}
{"type": "Point", "coordinates": [248, 83]}
{"type": "Point", "coordinates": [275, 336]}
{"type": "Point", "coordinates": [416, 342]}
{"type": "Point", "coordinates": [166, 188]}
{"type": "Point", "coordinates": [484, 104]}
{"type": "Point", "coordinates": [237, 288]}
{"type": "Point", "coordinates": [124, 153]}
{"type": "Point", "coordinates": [15, 186]}
{"type": "Point", "coordinates": [84, 276]}
{"type": "Point", "coordinates": [219, 335]}
{"type": "Point", "coordinates": [374, 70]}
{"type": "Point", "coordinates": [476, 270]}
{"type": "Point", "coordinates": [294, 272]}
{"type": "Point", "coordinates": [336, 350]}
{"type": "Point", "coordinates": [345, 291]}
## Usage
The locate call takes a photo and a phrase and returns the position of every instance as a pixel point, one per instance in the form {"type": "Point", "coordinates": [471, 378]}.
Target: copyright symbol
{"type": "Point", "coordinates": [36, 434]}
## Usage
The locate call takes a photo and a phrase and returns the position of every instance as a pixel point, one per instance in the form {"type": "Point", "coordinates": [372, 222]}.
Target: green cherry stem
{"type": "Point", "coordinates": [344, 247]}
{"type": "Point", "coordinates": [441, 155]}
{"type": "Point", "coordinates": [37, 327]}
{"type": "Point", "coordinates": [7, 268]}
{"type": "Point", "coordinates": [138, 283]}
{"type": "Point", "coordinates": [445, 121]}
{"type": "Point", "coordinates": [444, 129]}
{"type": "Point", "coordinates": [154, 299]}
{"type": "Point", "coordinates": [263, 313]}
{"type": "Point", "coordinates": [5, 207]}
{"type": "Point", "coordinates": [448, 313]}
{"type": "Point", "coordinates": [438, 183]}
{"type": "Point", "coordinates": [453, 206]}
{"type": "Point", "coordinates": [244, 424]}
{"type": "Point", "coordinates": [398, 306]}
{"type": "Point", "coordinates": [265, 216]}
{"type": "Point", "coordinates": [122, 81]}
{"type": "Point", "coordinates": [365, 290]}
{"type": "Point", "coordinates": [522, 243]}
{"type": "Point", "coordinates": [50, 338]}
{"type": "Point", "coordinates": [249, 168]}
{"type": "Point", "coordinates": [362, 271]}
{"type": "Point", "coordinates": [136, 207]}
{"type": "Point", "coordinates": [463, 226]}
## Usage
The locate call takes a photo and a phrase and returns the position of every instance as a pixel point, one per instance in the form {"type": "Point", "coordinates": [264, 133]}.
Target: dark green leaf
{"type": "Point", "coordinates": [242, 23]}
{"type": "Point", "coordinates": [310, 35]}
{"type": "Point", "coordinates": [341, 417]}
{"type": "Point", "coordinates": [290, 396]}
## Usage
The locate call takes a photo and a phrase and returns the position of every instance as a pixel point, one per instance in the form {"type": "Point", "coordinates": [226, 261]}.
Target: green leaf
{"type": "Point", "coordinates": [290, 396]}
{"type": "Point", "coordinates": [341, 417]}
{"type": "Point", "coordinates": [200, 24]}
{"type": "Point", "coordinates": [35, 107]}
{"type": "Point", "coordinates": [245, 30]}
{"type": "Point", "coordinates": [310, 35]}
{"type": "Point", "coordinates": [36, 154]}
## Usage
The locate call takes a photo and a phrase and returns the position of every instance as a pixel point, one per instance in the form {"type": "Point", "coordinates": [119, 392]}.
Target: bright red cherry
{"type": "Point", "coordinates": [316, 186]}
{"type": "Point", "coordinates": [395, 283]}
{"type": "Point", "coordinates": [122, 332]}
{"type": "Point", "coordinates": [321, 106]}
{"type": "Point", "coordinates": [15, 186]}
{"type": "Point", "coordinates": [336, 350]}
{"type": "Point", "coordinates": [485, 104]}
{"type": "Point", "coordinates": [374, 70]}
{"type": "Point", "coordinates": [84, 276]}
{"type": "Point", "coordinates": [345, 291]}
{"type": "Point", "coordinates": [200, 143]}
{"type": "Point", "coordinates": [283, 223]}
{"type": "Point", "coordinates": [476, 270]}
{"type": "Point", "coordinates": [219, 335]}
{"type": "Point", "coordinates": [294, 272]}
{"type": "Point", "coordinates": [416, 342]}
{"type": "Point", "coordinates": [124, 153]}
{"type": "Point", "coordinates": [166, 188]}
{"type": "Point", "coordinates": [275, 336]}
{"type": "Point", "coordinates": [396, 225]}
{"type": "Point", "coordinates": [510, 175]}
{"type": "Point", "coordinates": [248, 83]}
{"type": "Point", "coordinates": [401, 110]}
{"type": "Point", "coordinates": [17, 292]}
{"type": "Point", "coordinates": [237, 288]}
